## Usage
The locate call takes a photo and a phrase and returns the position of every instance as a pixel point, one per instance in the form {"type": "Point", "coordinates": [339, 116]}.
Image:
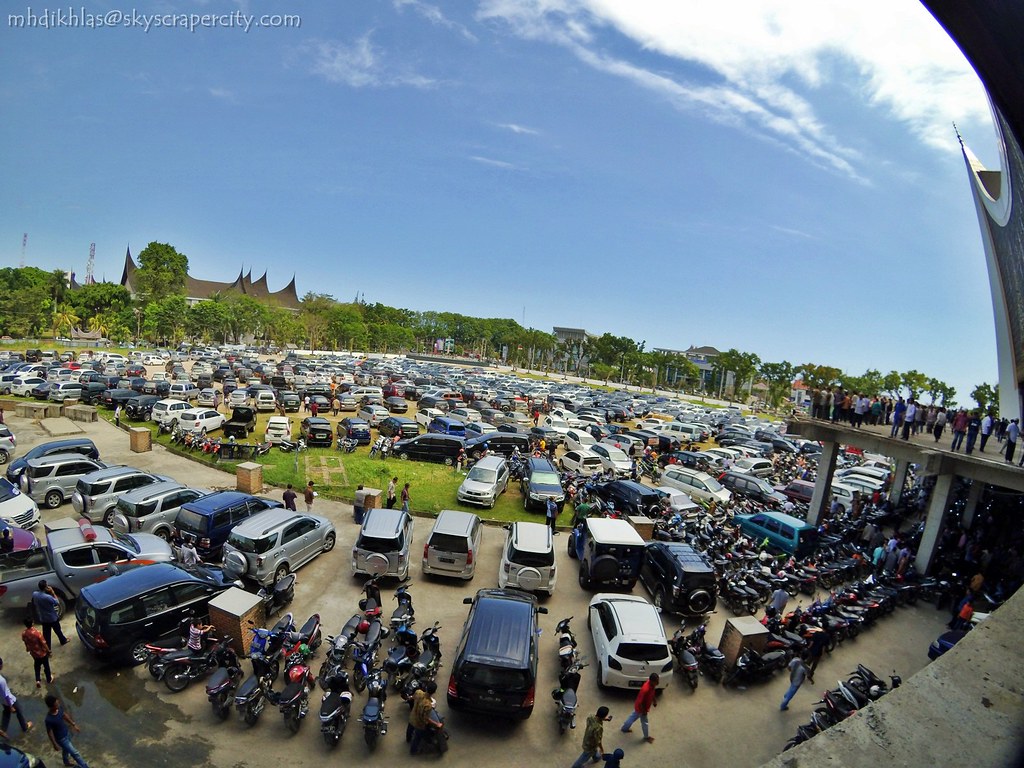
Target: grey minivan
{"type": "Point", "coordinates": [152, 508]}
{"type": "Point", "coordinates": [52, 479]}
{"type": "Point", "coordinates": [453, 545]}
{"type": "Point", "coordinates": [96, 493]}
{"type": "Point", "coordinates": [382, 547]}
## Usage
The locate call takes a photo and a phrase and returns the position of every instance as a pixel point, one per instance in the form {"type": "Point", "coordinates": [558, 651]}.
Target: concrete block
{"type": "Point", "coordinates": [140, 440]}
{"type": "Point", "coordinates": [230, 614]}
{"type": "Point", "coordinates": [249, 477]}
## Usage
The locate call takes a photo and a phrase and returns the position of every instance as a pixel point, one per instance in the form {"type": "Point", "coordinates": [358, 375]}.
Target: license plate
{"type": "Point", "coordinates": [636, 683]}
{"type": "Point", "coordinates": [446, 559]}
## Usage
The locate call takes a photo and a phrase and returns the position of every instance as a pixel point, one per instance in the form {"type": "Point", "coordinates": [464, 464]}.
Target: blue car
{"type": "Point", "coordinates": [354, 429]}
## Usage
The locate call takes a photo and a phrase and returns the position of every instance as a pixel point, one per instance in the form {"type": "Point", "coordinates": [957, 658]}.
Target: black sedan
{"type": "Point", "coordinates": [115, 397]}
{"type": "Point", "coordinates": [316, 432]}
{"type": "Point", "coordinates": [42, 392]}
{"type": "Point", "coordinates": [396, 404]}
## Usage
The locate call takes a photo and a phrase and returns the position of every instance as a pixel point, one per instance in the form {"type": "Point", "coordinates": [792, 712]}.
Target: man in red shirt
{"type": "Point", "coordinates": [646, 699]}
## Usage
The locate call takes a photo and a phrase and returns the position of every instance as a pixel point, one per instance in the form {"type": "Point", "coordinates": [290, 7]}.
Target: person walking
{"type": "Point", "coordinates": [335, 406]}
{"type": "Point", "coordinates": [11, 705]}
{"type": "Point", "coordinates": [308, 495]}
{"type": "Point", "coordinates": [551, 509]}
{"type": "Point", "coordinates": [593, 737]}
{"type": "Point", "coordinates": [959, 428]}
{"type": "Point", "coordinates": [779, 599]}
{"type": "Point", "coordinates": [47, 608]}
{"type": "Point", "coordinates": [647, 698]}
{"type": "Point", "coordinates": [973, 427]}
{"type": "Point", "coordinates": [58, 727]}
{"type": "Point", "coordinates": [1012, 433]}
{"type": "Point", "coordinates": [37, 648]}
{"type": "Point", "coordinates": [405, 498]}
{"type": "Point", "coordinates": [816, 649]}
{"type": "Point", "coordinates": [289, 498]}
{"type": "Point", "coordinates": [986, 431]}
{"type": "Point", "coordinates": [940, 423]}
{"type": "Point", "coordinates": [798, 672]}
{"type": "Point", "coordinates": [117, 415]}
{"type": "Point", "coordinates": [187, 554]}
{"type": "Point", "coordinates": [392, 493]}
{"type": "Point", "coordinates": [897, 417]}
{"type": "Point", "coordinates": [909, 417]}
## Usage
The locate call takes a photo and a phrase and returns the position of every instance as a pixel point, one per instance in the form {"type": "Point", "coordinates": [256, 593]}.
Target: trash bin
{"type": "Point", "coordinates": [358, 509]}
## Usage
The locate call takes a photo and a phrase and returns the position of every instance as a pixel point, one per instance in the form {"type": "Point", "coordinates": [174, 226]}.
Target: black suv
{"type": "Point", "coordinates": [630, 498]}
{"type": "Point", "coordinates": [316, 431]}
{"type": "Point", "coordinates": [751, 487]}
{"type": "Point", "coordinates": [504, 443]}
{"type": "Point", "coordinates": [117, 617]}
{"type": "Point", "coordinates": [495, 669]}
{"type": "Point", "coordinates": [443, 449]}
{"type": "Point", "coordinates": [541, 482]}
{"type": "Point", "coordinates": [679, 578]}
{"type": "Point", "coordinates": [397, 425]}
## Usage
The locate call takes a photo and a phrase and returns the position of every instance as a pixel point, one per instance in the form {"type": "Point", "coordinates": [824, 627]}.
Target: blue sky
{"type": "Point", "coordinates": [779, 177]}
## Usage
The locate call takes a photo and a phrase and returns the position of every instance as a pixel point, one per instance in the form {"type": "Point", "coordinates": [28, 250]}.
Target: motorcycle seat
{"type": "Point", "coordinates": [309, 628]}
{"type": "Point", "coordinates": [292, 692]}
{"type": "Point", "coordinates": [246, 688]}
{"type": "Point", "coordinates": [184, 653]}
{"type": "Point", "coordinates": [372, 709]}
{"type": "Point", "coordinates": [334, 701]}
{"type": "Point", "coordinates": [221, 676]}
{"type": "Point", "coordinates": [569, 697]}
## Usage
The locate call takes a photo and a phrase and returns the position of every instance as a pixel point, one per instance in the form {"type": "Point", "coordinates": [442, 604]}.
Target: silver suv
{"type": "Point", "coordinates": [268, 545]}
{"type": "Point", "coordinates": [382, 548]}
{"type": "Point", "coordinates": [487, 480]}
{"type": "Point", "coordinates": [152, 508]}
{"type": "Point", "coordinates": [96, 493]}
{"type": "Point", "coordinates": [52, 479]}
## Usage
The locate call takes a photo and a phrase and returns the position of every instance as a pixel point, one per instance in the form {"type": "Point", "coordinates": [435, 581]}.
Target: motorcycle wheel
{"type": "Point", "coordinates": [251, 715]}
{"type": "Point", "coordinates": [359, 683]}
{"type": "Point", "coordinates": [156, 668]}
{"type": "Point", "coordinates": [292, 720]}
{"type": "Point", "coordinates": [177, 678]}
{"type": "Point", "coordinates": [370, 736]}
{"type": "Point", "coordinates": [692, 680]}
{"type": "Point", "coordinates": [221, 708]}
{"type": "Point", "coordinates": [331, 738]}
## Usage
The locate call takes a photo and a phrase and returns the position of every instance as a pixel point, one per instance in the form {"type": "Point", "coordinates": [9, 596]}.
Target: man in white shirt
{"type": "Point", "coordinates": [908, 418]}
{"type": "Point", "coordinates": [986, 431]}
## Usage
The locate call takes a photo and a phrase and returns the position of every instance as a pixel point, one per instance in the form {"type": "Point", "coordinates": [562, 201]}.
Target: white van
{"type": "Point", "coordinates": [680, 431]}
{"type": "Point", "coordinates": [360, 392]}
{"type": "Point", "coordinates": [183, 390]}
{"type": "Point", "coordinates": [168, 411]}
{"type": "Point", "coordinates": [265, 401]}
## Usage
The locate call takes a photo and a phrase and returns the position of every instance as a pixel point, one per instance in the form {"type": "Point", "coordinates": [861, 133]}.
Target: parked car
{"type": "Point", "coordinates": [51, 479]}
{"type": "Point", "coordinates": [679, 578]}
{"type": "Point", "coordinates": [383, 544]}
{"type": "Point", "coordinates": [396, 404]}
{"type": "Point", "coordinates": [16, 508]}
{"type": "Point", "coordinates": [208, 520]}
{"type": "Point", "coordinates": [528, 559]}
{"type": "Point", "coordinates": [141, 408]}
{"type": "Point", "coordinates": [207, 397]}
{"type": "Point", "coordinates": [613, 459]}
{"type": "Point", "coordinates": [373, 414]}
{"type": "Point", "coordinates": [453, 545]}
{"type": "Point", "coordinates": [478, 428]}
{"type": "Point", "coordinates": [96, 493]}
{"type": "Point", "coordinates": [398, 425]}
{"type": "Point", "coordinates": [504, 443]}
{"type": "Point", "coordinates": [354, 428]}
{"type": "Point", "coordinates": [279, 428]}
{"type": "Point", "coordinates": [116, 618]}
{"type": "Point", "coordinates": [485, 481]}
{"type": "Point", "coordinates": [316, 432]}
{"type": "Point", "coordinates": [631, 498]}
{"type": "Point", "coordinates": [241, 423]}
{"type": "Point", "coordinates": [610, 552]}
{"type": "Point", "coordinates": [430, 447]}
{"type": "Point", "coordinates": [267, 546]}
{"type": "Point", "coordinates": [541, 482]}
{"type": "Point", "coordinates": [629, 641]}
{"type": "Point", "coordinates": [494, 670]}
{"type": "Point", "coordinates": [201, 420]}
{"type": "Point", "coordinates": [750, 487]}
{"type": "Point", "coordinates": [152, 508]}
{"type": "Point", "coordinates": [81, 445]}
{"type": "Point", "coordinates": [699, 485]}
{"type": "Point", "coordinates": [584, 462]}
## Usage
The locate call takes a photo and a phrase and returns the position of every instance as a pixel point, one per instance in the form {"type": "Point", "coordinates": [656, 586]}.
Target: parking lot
{"type": "Point", "coordinates": [129, 720]}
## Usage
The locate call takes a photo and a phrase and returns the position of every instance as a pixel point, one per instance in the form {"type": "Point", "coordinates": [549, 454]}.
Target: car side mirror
{"type": "Point", "coordinates": [541, 609]}
{"type": "Point", "coordinates": [467, 601]}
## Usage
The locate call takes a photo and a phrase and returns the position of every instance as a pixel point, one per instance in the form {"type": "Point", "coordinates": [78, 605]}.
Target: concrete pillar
{"type": "Point", "coordinates": [822, 498]}
{"type": "Point", "coordinates": [934, 523]}
{"type": "Point", "coordinates": [973, 496]}
{"type": "Point", "coordinates": [899, 479]}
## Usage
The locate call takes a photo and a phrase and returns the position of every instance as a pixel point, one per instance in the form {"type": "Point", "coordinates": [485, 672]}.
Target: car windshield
{"type": "Point", "coordinates": [615, 454]}
{"type": "Point", "coordinates": [545, 478]}
{"type": "Point", "coordinates": [712, 484]}
{"type": "Point", "coordinates": [128, 541]}
{"type": "Point", "coordinates": [482, 475]}
{"type": "Point", "coordinates": [7, 490]}
{"type": "Point", "coordinates": [187, 520]}
{"type": "Point", "coordinates": [245, 544]}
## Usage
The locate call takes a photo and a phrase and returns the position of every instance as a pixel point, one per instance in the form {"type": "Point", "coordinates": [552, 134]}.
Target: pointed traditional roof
{"type": "Point", "coordinates": [129, 268]}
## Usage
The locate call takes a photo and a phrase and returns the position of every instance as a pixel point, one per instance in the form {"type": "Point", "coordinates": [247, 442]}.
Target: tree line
{"type": "Point", "coordinates": [34, 303]}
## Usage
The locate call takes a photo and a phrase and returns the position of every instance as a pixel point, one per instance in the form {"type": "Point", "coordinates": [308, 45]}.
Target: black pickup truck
{"type": "Point", "coordinates": [242, 422]}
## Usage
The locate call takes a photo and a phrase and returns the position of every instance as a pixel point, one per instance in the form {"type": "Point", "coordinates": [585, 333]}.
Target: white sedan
{"type": "Point", "coordinates": [201, 420]}
{"type": "Point", "coordinates": [16, 507]}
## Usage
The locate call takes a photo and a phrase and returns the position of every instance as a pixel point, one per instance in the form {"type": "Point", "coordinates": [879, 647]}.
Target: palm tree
{"type": "Point", "coordinates": [100, 322]}
{"type": "Point", "coordinates": [64, 319]}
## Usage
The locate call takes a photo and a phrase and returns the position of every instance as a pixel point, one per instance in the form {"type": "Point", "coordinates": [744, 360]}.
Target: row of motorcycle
{"type": "Point", "coordinates": [859, 690]}
{"type": "Point", "coordinates": [200, 442]}
{"type": "Point", "coordinates": [407, 665]}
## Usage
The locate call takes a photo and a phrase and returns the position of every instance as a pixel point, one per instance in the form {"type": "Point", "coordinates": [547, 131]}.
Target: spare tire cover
{"type": "Point", "coordinates": [120, 523]}
{"type": "Point", "coordinates": [701, 601]}
{"type": "Point", "coordinates": [235, 563]}
{"type": "Point", "coordinates": [529, 579]}
{"type": "Point", "coordinates": [377, 564]}
{"type": "Point", "coordinates": [604, 568]}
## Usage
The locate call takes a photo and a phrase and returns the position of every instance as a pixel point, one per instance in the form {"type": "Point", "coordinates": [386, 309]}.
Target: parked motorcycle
{"type": "Point", "coordinates": [686, 659]}
{"type": "Point", "coordinates": [335, 707]}
{"type": "Point", "coordinates": [404, 614]}
{"type": "Point", "coordinates": [220, 689]}
{"type": "Point", "coordinates": [709, 658]}
{"type": "Point", "coordinates": [293, 701]}
{"type": "Point", "coordinates": [565, 695]}
{"type": "Point", "coordinates": [752, 667]}
{"type": "Point", "coordinates": [159, 654]}
{"type": "Point", "coordinates": [401, 655]}
{"type": "Point", "coordinates": [180, 672]}
{"type": "Point", "coordinates": [252, 696]}
{"type": "Point", "coordinates": [364, 653]}
{"type": "Point", "coordinates": [339, 650]}
{"type": "Point", "coordinates": [429, 661]}
{"type": "Point", "coordinates": [277, 595]}
{"type": "Point", "coordinates": [370, 604]}
{"type": "Point", "coordinates": [566, 643]}
{"type": "Point", "coordinates": [267, 647]}
{"type": "Point", "coordinates": [375, 723]}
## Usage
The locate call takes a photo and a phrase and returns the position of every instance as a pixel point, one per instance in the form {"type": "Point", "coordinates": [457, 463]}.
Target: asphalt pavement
{"type": "Point", "coordinates": [129, 720]}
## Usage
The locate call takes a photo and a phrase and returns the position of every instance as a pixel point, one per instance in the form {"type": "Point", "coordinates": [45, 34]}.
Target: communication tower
{"type": "Point", "coordinates": [90, 265]}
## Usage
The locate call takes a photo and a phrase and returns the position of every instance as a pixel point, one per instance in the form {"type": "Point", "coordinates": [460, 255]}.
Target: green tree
{"type": "Point", "coordinates": [313, 316]}
{"type": "Point", "coordinates": [914, 382]}
{"type": "Point", "coordinates": [208, 320]}
{"type": "Point", "coordinates": [99, 297]}
{"type": "Point", "coordinates": [983, 394]}
{"type": "Point", "coordinates": [743, 366]}
{"type": "Point", "coordinates": [345, 326]}
{"type": "Point", "coordinates": [64, 319]}
{"type": "Point", "coordinates": [779, 378]}
{"type": "Point", "coordinates": [819, 376]}
{"type": "Point", "coordinates": [161, 273]}
{"type": "Point", "coordinates": [169, 317]}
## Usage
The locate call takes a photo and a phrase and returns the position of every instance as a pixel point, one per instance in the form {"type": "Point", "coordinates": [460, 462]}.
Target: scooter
{"type": "Point", "coordinates": [335, 707]}
{"type": "Point", "coordinates": [277, 595]}
{"type": "Point", "coordinates": [267, 647]}
{"type": "Point", "coordinates": [252, 696]}
{"type": "Point", "coordinates": [220, 689]}
{"type": "Point", "coordinates": [180, 672]}
{"type": "Point", "coordinates": [565, 696]}
{"type": "Point", "coordinates": [710, 659]}
{"type": "Point", "coordinates": [686, 659]}
{"type": "Point", "coordinates": [404, 614]}
{"type": "Point", "coordinates": [370, 605]}
{"type": "Point", "coordinates": [566, 643]}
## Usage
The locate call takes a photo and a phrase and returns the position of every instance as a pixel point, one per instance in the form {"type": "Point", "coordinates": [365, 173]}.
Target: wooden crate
{"type": "Point", "coordinates": [740, 633]}
{"type": "Point", "coordinates": [140, 439]}
{"type": "Point", "coordinates": [643, 525]}
{"type": "Point", "coordinates": [230, 613]}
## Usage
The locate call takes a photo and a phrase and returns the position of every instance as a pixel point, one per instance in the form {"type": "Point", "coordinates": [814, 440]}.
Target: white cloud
{"type": "Point", "coordinates": [790, 231]}
{"type": "Point", "coordinates": [359, 65]}
{"type": "Point", "coordinates": [758, 64]}
{"type": "Point", "coordinates": [521, 129]}
{"type": "Point", "coordinates": [493, 163]}
{"type": "Point", "coordinates": [434, 15]}
{"type": "Point", "coordinates": [223, 94]}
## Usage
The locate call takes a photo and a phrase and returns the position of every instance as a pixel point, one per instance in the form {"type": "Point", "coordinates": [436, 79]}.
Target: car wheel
{"type": "Point", "coordinates": [571, 545]}
{"type": "Point", "coordinates": [163, 533]}
{"type": "Point", "coordinates": [108, 517]}
{"type": "Point", "coordinates": [448, 461]}
{"type": "Point", "coordinates": [53, 499]}
{"type": "Point", "coordinates": [526, 504]}
{"type": "Point", "coordinates": [281, 572]}
{"type": "Point", "coordinates": [329, 542]}
{"type": "Point", "coordinates": [403, 456]}
{"type": "Point", "coordinates": [600, 676]}
{"type": "Point", "coordinates": [659, 599]}
{"type": "Point", "coordinates": [584, 577]}
{"type": "Point", "coordinates": [202, 432]}
{"type": "Point", "coordinates": [4, 456]}
{"type": "Point", "coordinates": [138, 653]}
